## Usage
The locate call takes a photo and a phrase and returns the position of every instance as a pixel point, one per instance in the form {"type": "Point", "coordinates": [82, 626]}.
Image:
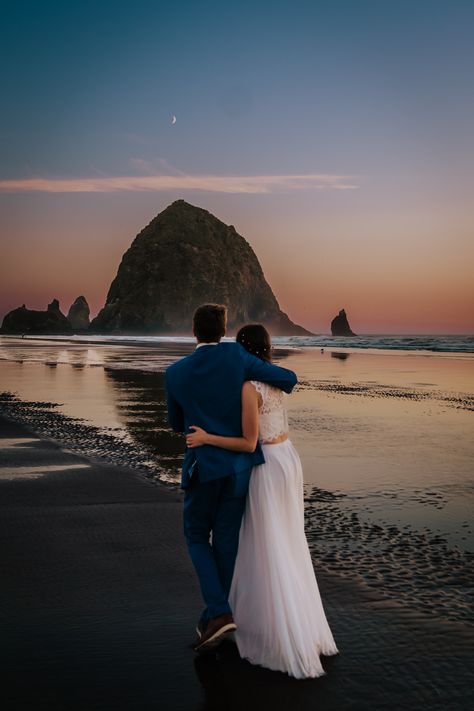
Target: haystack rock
{"type": "Point", "coordinates": [78, 314]}
{"type": "Point", "coordinates": [183, 258]}
{"type": "Point", "coordinates": [340, 325]}
{"type": "Point", "coordinates": [23, 320]}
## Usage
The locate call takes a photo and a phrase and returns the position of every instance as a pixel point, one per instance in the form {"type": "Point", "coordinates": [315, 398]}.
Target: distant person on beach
{"type": "Point", "coordinates": [205, 389]}
{"type": "Point", "coordinates": [274, 594]}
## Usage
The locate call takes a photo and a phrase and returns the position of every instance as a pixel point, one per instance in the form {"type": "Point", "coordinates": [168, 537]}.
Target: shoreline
{"type": "Point", "coordinates": [116, 413]}
{"type": "Point", "coordinates": [94, 557]}
{"type": "Point", "coordinates": [282, 344]}
{"type": "Point", "coordinates": [81, 438]}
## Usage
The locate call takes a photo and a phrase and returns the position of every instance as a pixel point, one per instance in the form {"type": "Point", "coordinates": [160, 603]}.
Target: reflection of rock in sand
{"type": "Point", "coordinates": [338, 354]}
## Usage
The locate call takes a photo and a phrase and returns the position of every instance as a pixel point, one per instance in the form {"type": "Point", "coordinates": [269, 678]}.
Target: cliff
{"type": "Point", "coordinates": [23, 320]}
{"type": "Point", "coordinates": [183, 258]}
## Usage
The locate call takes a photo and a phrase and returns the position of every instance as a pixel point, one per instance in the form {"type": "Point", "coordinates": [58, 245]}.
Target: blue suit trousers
{"type": "Point", "coordinates": [214, 507]}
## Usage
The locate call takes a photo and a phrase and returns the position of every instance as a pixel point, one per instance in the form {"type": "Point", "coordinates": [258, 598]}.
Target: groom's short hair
{"type": "Point", "coordinates": [209, 322]}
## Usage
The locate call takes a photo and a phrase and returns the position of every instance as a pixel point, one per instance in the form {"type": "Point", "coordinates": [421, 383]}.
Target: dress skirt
{"type": "Point", "coordinates": [281, 624]}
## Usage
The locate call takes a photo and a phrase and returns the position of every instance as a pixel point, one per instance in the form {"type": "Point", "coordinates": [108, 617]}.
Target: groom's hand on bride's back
{"type": "Point", "coordinates": [265, 372]}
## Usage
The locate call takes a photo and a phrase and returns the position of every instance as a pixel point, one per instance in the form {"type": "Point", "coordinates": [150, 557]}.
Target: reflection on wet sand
{"type": "Point", "coordinates": [386, 445]}
{"type": "Point", "coordinates": [226, 676]}
{"type": "Point", "coordinates": [141, 408]}
{"type": "Point", "coordinates": [13, 473]}
{"type": "Point", "coordinates": [8, 442]}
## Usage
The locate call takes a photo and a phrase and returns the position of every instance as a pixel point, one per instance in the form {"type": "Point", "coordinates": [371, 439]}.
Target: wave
{"type": "Point", "coordinates": [422, 343]}
{"type": "Point", "coordinates": [437, 344]}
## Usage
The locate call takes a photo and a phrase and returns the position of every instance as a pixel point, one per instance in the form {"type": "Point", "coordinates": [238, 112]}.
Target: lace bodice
{"type": "Point", "coordinates": [273, 418]}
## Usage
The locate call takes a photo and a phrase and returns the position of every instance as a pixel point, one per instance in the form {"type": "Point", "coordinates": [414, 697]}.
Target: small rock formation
{"type": "Point", "coordinates": [183, 258]}
{"type": "Point", "coordinates": [78, 314]}
{"type": "Point", "coordinates": [340, 325]}
{"type": "Point", "coordinates": [23, 320]}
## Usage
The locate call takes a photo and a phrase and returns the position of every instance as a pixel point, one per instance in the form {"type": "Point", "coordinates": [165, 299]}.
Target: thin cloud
{"type": "Point", "coordinates": [157, 166]}
{"type": "Point", "coordinates": [256, 184]}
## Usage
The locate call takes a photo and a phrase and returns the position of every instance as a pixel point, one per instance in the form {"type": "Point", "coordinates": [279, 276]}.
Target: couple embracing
{"type": "Point", "coordinates": [243, 500]}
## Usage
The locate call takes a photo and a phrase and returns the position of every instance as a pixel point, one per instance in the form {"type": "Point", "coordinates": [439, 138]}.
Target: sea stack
{"type": "Point", "coordinates": [23, 320]}
{"type": "Point", "coordinates": [183, 258]}
{"type": "Point", "coordinates": [340, 325]}
{"type": "Point", "coordinates": [78, 314]}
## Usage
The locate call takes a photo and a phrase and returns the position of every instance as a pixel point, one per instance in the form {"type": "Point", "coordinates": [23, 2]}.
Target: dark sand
{"type": "Point", "coordinates": [99, 602]}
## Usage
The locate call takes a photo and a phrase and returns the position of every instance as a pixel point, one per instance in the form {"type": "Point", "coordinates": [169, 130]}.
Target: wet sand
{"type": "Point", "coordinates": [99, 603]}
{"type": "Point", "coordinates": [385, 440]}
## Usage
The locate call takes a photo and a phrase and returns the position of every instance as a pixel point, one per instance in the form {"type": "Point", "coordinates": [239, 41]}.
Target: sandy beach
{"type": "Point", "coordinates": [100, 599]}
{"type": "Point", "coordinates": [99, 602]}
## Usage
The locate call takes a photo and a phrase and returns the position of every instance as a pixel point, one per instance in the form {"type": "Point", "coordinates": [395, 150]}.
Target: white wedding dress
{"type": "Point", "coordinates": [274, 596]}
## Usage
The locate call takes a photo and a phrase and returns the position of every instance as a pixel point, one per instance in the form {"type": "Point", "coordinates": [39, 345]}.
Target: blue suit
{"type": "Point", "coordinates": [204, 389]}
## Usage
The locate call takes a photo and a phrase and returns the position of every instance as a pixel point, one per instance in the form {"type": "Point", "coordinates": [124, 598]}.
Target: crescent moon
{"type": "Point", "coordinates": [173, 120]}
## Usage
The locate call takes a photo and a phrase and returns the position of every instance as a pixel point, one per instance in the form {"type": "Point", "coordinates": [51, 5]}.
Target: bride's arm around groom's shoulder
{"type": "Point", "coordinates": [257, 369]}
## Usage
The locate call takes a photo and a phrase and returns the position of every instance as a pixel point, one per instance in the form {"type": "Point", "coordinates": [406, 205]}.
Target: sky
{"type": "Point", "coordinates": [337, 137]}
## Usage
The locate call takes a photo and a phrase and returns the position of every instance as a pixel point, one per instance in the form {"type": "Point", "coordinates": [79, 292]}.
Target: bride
{"type": "Point", "coordinates": [281, 624]}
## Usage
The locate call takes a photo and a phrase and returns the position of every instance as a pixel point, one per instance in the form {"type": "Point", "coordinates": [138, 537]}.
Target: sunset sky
{"type": "Point", "coordinates": [337, 137]}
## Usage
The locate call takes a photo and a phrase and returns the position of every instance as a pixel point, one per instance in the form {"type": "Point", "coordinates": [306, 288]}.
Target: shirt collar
{"type": "Point", "coordinates": [206, 344]}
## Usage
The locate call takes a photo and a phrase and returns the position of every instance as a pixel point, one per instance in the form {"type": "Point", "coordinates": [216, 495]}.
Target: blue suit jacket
{"type": "Point", "coordinates": [204, 389]}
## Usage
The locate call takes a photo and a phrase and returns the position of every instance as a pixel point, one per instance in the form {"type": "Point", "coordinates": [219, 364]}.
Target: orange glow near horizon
{"type": "Point", "coordinates": [390, 286]}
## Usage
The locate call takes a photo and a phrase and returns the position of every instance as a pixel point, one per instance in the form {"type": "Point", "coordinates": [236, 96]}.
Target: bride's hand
{"type": "Point", "coordinates": [196, 438]}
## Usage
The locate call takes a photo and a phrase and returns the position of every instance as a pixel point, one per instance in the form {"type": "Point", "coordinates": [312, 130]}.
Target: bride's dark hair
{"type": "Point", "coordinates": [256, 340]}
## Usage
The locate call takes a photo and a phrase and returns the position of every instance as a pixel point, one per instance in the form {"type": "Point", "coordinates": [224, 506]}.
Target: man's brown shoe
{"type": "Point", "coordinates": [217, 630]}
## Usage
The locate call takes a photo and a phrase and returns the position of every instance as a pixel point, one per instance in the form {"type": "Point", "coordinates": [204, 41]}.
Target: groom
{"type": "Point", "coordinates": [204, 389]}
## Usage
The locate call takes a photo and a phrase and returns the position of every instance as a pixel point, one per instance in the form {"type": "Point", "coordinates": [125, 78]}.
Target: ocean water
{"type": "Point", "coordinates": [436, 344]}
{"type": "Point", "coordinates": [424, 343]}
